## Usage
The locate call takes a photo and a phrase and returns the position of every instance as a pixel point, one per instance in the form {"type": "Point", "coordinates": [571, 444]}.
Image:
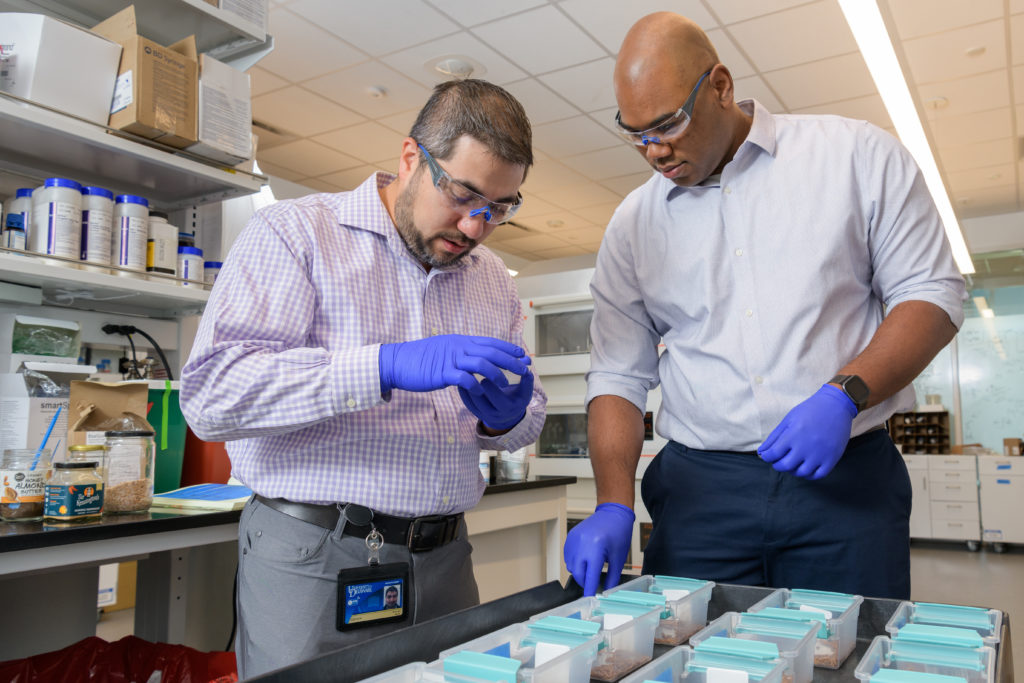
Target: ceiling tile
{"type": "Point", "coordinates": [417, 62]}
{"type": "Point", "coordinates": [795, 36]}
{"type": "Point", "coordinates": [541, 104]}
{"type": "Point", "coordinates": [966, 95]}
{"type": "Point", "coordinates": [265, 138]}
{"type": "Point", "coordinates": [1017, 38]}
{"type": "Point", "coordinates": [377, 28]}
{"type": "Point", "coordinates": [352, 87]}
{"type": "Point", "coordinates": [729, 55]}
{"type": "Point", "coordinates": [584, 235]}
{"type": "Point", "coordinates": [555, 222]}
{"type": "Point", "coordinates": [540, 40]}
{"type": "Point", "coordinates": [922, 17]}
{"type": "Point", "coordinates": [978, 155]}
{"type": "Point", "coordinates": [263, 81]}
{"type": "Point", "coordinates": [308, 158]}
{"type": "Point", "coordinates": [608, 163]}
{"type": "Point", "coordinates": [588, 86]}
{"type": "Point", "coordinates": [303, 50]}
{"type": "Point", "coordinates": [599, 214]}
{"type": "Point", "coordinates": [402, 121]}
{"type": "Point", "coordinates": [943, 57]}
{"type": "Point", "coordinates": [561, 252]}
{"type": "Point", "coordinates": [472, 12]}
{"type": "Point", "coordinates": [295, 110]}
{"type": "Point", "coordinates": [533, 205]}
{"type": "Point", "coordinates": [971, 128]}
{"type": "Point", "coordinates": [572, 136]}
{"type": "Point", "coordinates": [322, 185]}
{"type": "Point", "coordinates": [731, 11]}
{"type": "Point", "coordinates": [755, 87]}
{"type": "Point", "coordinates": [869, 108]}
{"type": "Point", "coordinates": [987, 202]}
{"type": "Point", "coordinates": [351, 178]}
{"type": "Point", "coordinates": [962, 182]}
{"type": "Point", "coordinates": [610, 24]}
{"type": "Point", "coordinates": [623, 185]}
{"type": "Point", "coordinates": [1016, 6]}
{"type": "Point", "coordinates": [1019, 117]}
{"type": "Point", "coordinates": [368, 141]}
{"type": "Point", "coordinates": [548, 174]}
{"type": "Point", "coordinates": [827, 80]}
{"type": "Point", "coordinates": [534, 243]}
{"type": "Point", "coordinates": [579, 196]}
{"type": "Point", "coordinates": [280, 171]}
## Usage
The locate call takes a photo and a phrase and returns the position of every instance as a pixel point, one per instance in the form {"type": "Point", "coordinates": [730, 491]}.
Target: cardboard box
{"type": "Point", "coordinates": [24, 418]}
{"type": "Point", "coordinates": [966, 449]}
{"type": "Point", "coordinates": [54, 63]}
{"type": "Point", "coordinates": [225, 113]}
{"type": "Point", "coordinates": [1012, 446]}
{"type": "Point", "coordinates": [12, 354]}
{"type": "Point", "coordinates": [93, 405]}
{"type": "Point", "coordinates": [156, 92]}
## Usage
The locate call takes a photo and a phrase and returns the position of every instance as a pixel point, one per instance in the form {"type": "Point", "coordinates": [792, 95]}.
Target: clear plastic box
{"type": "Point", "coordinates": [987, 623]}
{"type": "Point", "coordinates": [794, 639]}
{"type": "Point", "coordinates": [627, 633]}
{"type": "Point", "coordinates": [678, 665]}
{"type": "Point", "coordinates": [418, 672]}
{"type": "Point", "coordinates": [840, 610]}
{"type": "Point", "coordinates": [975, 665]}
{"type": "Point", "coordinates": [562, 657]}
{"type": "Point", "coordinates": [686, 599]}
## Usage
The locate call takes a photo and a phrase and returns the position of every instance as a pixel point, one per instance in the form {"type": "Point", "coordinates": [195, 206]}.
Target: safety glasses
{"type": "Point", "coordinates": [462, 198]}
{"type": "Point", "coordinates": [671, 127]}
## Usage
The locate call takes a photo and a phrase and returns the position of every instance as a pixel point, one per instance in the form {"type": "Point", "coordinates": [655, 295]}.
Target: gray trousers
{"type": "Point", "coordinates": [288, 587]}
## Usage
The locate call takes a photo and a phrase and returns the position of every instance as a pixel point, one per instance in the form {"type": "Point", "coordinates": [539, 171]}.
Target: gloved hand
{"type": "Point", "coordinates": [500, 408]}
{"type": "Point", "coordinates": [604, 535]}
{"type": "Point", "coordinates": [812, 437]}
{"type": "Point", "coordinates": [448, 360]}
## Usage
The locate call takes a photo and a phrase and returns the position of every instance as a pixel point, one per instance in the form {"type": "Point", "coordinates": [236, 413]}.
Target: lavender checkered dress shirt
{"type": "Point", "coordinates": [285, 369]}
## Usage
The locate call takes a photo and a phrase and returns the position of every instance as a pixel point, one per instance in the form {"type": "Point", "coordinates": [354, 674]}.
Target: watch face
{"type": "Point", "coordinates": [857, 390]}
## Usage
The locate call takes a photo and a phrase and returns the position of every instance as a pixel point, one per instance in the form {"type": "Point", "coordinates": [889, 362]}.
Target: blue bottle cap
{"type": "Point", "coordinates": [23, 192]}
{"type": "Point", "coordinates": [131, 199]}
{"type": "Point", "coordinates": [97, 192]}
{"type": "Point", "coordinates": [63, 182]}
{"type": "Point", "coordinates": [190, 250]}
{"type": "Point", "coordinates": [212, 264]}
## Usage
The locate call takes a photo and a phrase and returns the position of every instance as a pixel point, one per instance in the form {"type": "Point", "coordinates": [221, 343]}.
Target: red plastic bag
{"type": "Point", "coordinates": [129, 660]}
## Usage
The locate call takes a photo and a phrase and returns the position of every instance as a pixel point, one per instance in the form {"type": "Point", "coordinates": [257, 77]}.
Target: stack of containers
{"type": "Point", "coordinates": [685, 600]}
{"type": "Point", "coordinates": [794, 639]}
{"type": "Point", "coordinates": [940, 650]}
{"type": "Point", "coordinates": [552, 650]}
{"type": "Point", "coordinates": [626, 630]}
{"type": "Point", "coordinates": [836, 614]}
{"type": "Point", "coordinates": [987, 623]}
{"type": "Point", "coordinates": [715, 659]}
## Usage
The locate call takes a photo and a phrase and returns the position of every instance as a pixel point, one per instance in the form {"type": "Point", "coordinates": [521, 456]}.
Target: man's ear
{"type": "Point", "coordinates": [721, 81]}
{"type": "Point", "coordinates": [409, 159]}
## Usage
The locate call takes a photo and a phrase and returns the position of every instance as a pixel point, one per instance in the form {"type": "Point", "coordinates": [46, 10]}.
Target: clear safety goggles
{"type": "Point", "coordinates": [671, 127]}
{"type": "Point", "coordinates": [461, 197]}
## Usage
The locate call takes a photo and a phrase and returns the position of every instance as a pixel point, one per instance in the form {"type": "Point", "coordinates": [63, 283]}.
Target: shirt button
{"type": "Point", "coordinates": [351, 403]}
{"type": "Point", "coordinates": [433, 330]}
{"type": "Point", "coordinates": [727, 190]}
{"type": "Point", "coordinates": [445, 500]}
{"type": "Point", "coordinates": [739, 252]}
{"type": "Point", "coordinates": [749, 313]}
{"type": "Point", "coordinates": [451, 439]}
{"type": "Point", "coordinates": [759, 379]}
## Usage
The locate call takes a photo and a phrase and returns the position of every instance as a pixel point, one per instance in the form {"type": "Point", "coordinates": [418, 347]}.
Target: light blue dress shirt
{"type": "Point", "coordinates": [765, 282]}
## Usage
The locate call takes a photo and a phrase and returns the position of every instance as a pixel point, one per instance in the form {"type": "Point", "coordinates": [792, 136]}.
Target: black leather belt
{"type": "Point", "coordinates": [419, 534]}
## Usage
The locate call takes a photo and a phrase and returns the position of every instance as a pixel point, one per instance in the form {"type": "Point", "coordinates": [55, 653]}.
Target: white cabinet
{"type": "Point", "coordinates": [920, 512]}
{"type": "Point", "coordinates": [1002, 498]}
{"type": "Point", "coordinates": [945, 497]}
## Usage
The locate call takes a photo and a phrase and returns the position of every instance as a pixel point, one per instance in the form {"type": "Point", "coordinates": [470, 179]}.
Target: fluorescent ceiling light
{"type": "Point", "coordinates": [869, 30]}
{"type": "Point", "coordinates": [512, 273]}
{"type": "Point", "coordinates": [983, 307]}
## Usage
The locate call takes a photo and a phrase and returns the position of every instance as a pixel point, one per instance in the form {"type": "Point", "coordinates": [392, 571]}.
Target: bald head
{"type": "Point", "coordinates": [663, 43]}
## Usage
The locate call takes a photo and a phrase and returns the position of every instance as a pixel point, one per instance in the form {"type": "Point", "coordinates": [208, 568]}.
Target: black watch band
{"type": "Point", "coordinates": [854, 387]}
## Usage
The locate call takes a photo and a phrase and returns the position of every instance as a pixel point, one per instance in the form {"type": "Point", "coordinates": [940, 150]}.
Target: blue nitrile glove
{"type": "Point", "coordinates": [500, 408]}
{"type": "Point", "coordinates": [812, 437]}
{"type": "Point", "coordinates": [448, 360]}
{"type": "Point", "coordinates": [604, 535]}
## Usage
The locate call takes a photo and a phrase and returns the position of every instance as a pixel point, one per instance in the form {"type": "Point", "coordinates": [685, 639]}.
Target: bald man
{"type": "Point", "coordinates": [797, 274]}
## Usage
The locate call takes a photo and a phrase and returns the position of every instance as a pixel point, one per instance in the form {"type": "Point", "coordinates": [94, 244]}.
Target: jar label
{"type": "Point", "coordinates": [68, 501]}
{"type": "Point", "coordinates": [125, 464]}
{"type": "Point", "coordinates": [23, 486]}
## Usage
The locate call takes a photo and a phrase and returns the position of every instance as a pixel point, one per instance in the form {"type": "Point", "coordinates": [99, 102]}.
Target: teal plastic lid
{"type": "Point", "coordinates": [798, 615]}
{"type": "Point", "coordinates": [575, 627]}
{"type": "Point", "coordinates": [952, 615]}
{"type": "Point", "coordinates": [837, 603]}
{"type": "Point", "coordinates": [483, 666]}
{"type": "Point", "coordinates": [605, 605]}
{"type": "Point", "coordinates": [754, 623]}
{"type": "Point", "coordinates": [636, 598]}
{"type": "Point", "coordinates": [931, 654]}
{"type": "Point", "coordinates": [739, 647]}
{"type": "Point", "coordinates": [898, 676]}
{"type": "Point", "coordinates": [678, 582]}
{"type": "Point", "coordinates": [939, 635]}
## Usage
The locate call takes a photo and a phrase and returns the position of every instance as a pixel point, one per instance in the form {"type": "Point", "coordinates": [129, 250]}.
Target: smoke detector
{"type": "Point", "coordinates": [376, 92]}
{"type": "Point", "coordinates": [454, 67]}
{"type": "Point", "coordinates": [936, 103]}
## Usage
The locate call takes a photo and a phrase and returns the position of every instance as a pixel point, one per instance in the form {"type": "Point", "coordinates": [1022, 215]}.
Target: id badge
{"type": "Point", "coordinates": [377, 594]}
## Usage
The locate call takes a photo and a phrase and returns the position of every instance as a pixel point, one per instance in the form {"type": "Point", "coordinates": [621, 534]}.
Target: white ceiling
{"type": "Point", "coordinates": [320, 90]}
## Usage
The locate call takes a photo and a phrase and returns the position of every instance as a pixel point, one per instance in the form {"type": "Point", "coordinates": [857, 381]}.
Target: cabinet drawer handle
{"type": "Point", "coordinates": [954, 523]}
{"type": "Point", "coordinates": [1002, 481]}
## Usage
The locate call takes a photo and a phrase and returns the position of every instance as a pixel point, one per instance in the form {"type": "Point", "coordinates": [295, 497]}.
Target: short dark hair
{"type": "Point", "coordinates": [389, 589]}
{"type": "Point", "coordinates": [486, 112]}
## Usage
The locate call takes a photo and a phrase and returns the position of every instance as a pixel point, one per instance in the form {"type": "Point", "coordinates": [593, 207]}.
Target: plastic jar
{"type": "Point", "coordinates": [211, 269]}
{"type": "Point", "coordinates": [131, 231]}
{"type": "Point", "coordinates": [57, 220]}
{"type": "Point", "coordinates": [17, 219]}
{"type": "Point", "coordinates": [74, 494]}
{"type": "Point", "coordinates": [190, 266]}
{"type": "Point", "coordinates": [161, 247]}
{"type": "Point", "coordinates": [93, 452]}
{"type": "Point", "coordinates": [97, 217]}
{"type": "Point", "coordinates": [131, 460]}
{"type": "Point", "coordinates": [186, 239]}
{"type": "Point", "coordinates": [24, 484]}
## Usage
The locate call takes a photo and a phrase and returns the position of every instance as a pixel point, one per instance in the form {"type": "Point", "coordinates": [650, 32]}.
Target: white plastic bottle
{"type": "Point", "coordinates": [211, 269]}
{"type": "Point", "coordinates": [57, 220]}
{"type": "Point", "coordinates": [190, 266]}
{"type": "Point", "coordinates": [16, 219]}
{"type": "Point", "coordinates": [97, 225]}
{"type": "Point", "coordinates": [131, 230]}
{"type": "Point", "coordinates": [161, 248]}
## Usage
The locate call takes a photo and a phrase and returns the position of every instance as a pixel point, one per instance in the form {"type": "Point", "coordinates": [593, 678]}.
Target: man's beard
{"type": "Point", "coordinates": [419, 247]}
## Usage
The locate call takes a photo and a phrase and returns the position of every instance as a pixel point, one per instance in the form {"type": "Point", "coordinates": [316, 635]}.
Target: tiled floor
{"type": "Point", "coordinates": [949, 573]}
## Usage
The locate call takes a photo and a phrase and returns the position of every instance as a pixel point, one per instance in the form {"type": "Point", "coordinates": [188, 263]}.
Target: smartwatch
{"type": "Point", "coordinates": [854, 387]}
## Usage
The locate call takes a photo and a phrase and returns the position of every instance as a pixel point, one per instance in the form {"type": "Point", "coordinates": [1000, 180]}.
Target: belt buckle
{"type": "Point", "coordinates": [417, 543]}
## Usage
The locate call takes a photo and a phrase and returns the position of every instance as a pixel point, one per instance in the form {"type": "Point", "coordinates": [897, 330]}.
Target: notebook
{"type": "Point", "coordinates": [205, 497]}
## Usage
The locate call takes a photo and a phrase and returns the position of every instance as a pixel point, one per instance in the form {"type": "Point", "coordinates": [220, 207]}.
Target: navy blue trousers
{"type": "Point", "coordinates": [729, 517]}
